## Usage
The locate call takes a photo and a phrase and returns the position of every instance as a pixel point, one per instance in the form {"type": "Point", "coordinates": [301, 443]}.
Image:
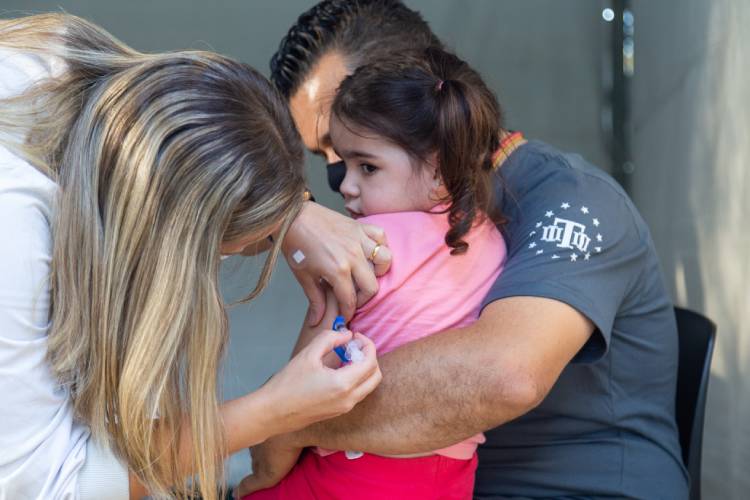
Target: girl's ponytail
{"type": "Point", "coordinates": [467, 132]}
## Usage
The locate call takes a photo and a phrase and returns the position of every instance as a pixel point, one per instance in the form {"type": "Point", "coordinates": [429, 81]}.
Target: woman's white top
{"type": "Point", "coordinates": [44, 452]}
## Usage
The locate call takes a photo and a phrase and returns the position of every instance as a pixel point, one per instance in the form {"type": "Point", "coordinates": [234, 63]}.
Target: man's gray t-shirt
{"type": "Point", "coordinates": [607, 427]}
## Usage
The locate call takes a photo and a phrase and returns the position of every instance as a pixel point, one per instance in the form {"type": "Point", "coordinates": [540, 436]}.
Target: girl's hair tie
{"type": "Point", "coordinates": [439, 85]}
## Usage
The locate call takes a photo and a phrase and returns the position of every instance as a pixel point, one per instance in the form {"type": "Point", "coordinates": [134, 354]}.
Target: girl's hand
{"type": "Point", "coordinates": [336, 249]}
{"type": "Point", "coordinates": [272, 460]}
{"type": "Point", "coordinates": [306, 390]}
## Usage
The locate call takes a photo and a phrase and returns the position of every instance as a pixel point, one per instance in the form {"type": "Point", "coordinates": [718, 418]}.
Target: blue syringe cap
{"type": "Point", "coordinates": [339, 323]}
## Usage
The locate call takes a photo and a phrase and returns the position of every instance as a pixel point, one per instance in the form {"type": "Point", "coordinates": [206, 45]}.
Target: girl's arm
{"type": "Point", "coordinates": [308, 333]}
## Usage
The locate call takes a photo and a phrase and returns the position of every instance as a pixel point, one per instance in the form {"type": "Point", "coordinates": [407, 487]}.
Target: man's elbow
{"type": "Point", "coordinates": [514, 395]}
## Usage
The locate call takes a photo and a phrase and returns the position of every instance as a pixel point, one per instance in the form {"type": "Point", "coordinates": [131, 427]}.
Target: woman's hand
{"type": "Point", "coordinates": [337, 249]}
{"type": "Point", "coordinates": [306, 390]}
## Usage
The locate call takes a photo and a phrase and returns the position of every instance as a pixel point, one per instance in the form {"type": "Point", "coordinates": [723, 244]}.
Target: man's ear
{"type": "Point", "coordinates": [437, 190]}
{"type": "Point", "coordinates": [433, 165]}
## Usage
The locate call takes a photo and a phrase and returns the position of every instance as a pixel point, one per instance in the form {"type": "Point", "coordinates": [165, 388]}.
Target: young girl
{"type": "Point", "coordinates": [418, 138]}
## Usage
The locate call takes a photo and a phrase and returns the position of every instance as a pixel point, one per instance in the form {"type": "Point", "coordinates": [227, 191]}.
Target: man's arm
{"type": "Point", "coordinates": [444, 388]}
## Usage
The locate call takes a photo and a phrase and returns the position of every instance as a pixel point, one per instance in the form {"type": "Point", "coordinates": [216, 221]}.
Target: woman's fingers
{"type": "Point", "coordinates": [316, 295]}
{"type": "Point", "coordinates": [376, 233]}
{"type": "Point", "coordinates": [382, 258]}
{"type": "Point", "coordinates": [310, 388]}
{"type": "Point", "coordinates": [346, 385]}
{"type": "Point", "coordinates": [331, 360]}
{"type": "Point", "coordinates": [368, 384]}
{"type": "Point", "coordinates": [382, 261]}
{"type": "Point", "coordinates": [342, 283]}
{"type": "Point", "coordinates": [357, 373]}
{"type": "Point", "coordinates": [326, 341]}
{"type": "Point", "coordinates": [367, 284]}
{"type": "Point", "coordinates": [378, 261]}
{"type": "Point", "coordinates": [352, 374]}
{"type": "Point", "coordinates": [365, 344]}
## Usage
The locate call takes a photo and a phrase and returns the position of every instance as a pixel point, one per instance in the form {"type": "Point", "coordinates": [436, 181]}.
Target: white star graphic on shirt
{"type": "Point", "coordinates": [596, 222]}
{"type": "Point", "coordinates": [598, 249]}
{"type": "Point", "coordinates": [587, 256]}
{"type": "Point", "coordinates": [598, 237]}
{"type": "Point", "coordinates": [573, 257]}
{"type": "Point", "coordinates": [538, 224]}
{"type": "Point", "coordinates": [532, 244]}
{"type": "Point", "coordinates": [584, 210]}
{"type": "Point", "coordinates": [565, 206]}
{"type": "Point", "coordinates": [549, 213]}
{"type": "Point", "coordinates": [555, 257]}
{"type": "Point", "coordinates": [539, 252]}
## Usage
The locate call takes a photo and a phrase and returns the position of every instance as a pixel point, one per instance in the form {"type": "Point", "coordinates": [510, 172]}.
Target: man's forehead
{"type": "Point", "coordinates": [306, 115]}
{"type": "Point", "coordinates": [311, 103]}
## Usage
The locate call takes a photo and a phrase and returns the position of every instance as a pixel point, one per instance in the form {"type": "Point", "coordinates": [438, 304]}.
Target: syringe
{"type": "Point", "coordinates": [351, 352]}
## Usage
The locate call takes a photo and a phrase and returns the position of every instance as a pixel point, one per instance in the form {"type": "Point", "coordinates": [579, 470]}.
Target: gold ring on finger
{"type": "Point", "coordinates": [374, 252]}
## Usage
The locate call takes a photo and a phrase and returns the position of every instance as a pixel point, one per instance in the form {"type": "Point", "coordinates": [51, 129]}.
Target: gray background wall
{"type": "Point", "coordinates": [692, 152]}
{"type": "Point", "coordinates": [545, 59]}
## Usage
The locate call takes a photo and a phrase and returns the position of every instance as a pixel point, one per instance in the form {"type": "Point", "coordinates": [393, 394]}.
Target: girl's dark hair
{"type": "Point", "coordinates": [427, 102]}
{"type": "Point", "coordinates": [362, 30]}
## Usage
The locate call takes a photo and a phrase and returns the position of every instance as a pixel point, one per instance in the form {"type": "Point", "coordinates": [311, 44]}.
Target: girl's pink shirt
{"type": "Point", "coordinates": [428, 290]}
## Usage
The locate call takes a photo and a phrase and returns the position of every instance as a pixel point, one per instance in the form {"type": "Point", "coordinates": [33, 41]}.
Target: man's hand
{"type": "Point", "coordinates": [272, 461]}
{"type": "Point", "coordinates": [323, 244]}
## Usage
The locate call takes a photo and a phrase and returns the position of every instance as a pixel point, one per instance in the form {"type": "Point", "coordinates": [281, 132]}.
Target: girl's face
{"type": "Point", "coordinates": [380, 176]}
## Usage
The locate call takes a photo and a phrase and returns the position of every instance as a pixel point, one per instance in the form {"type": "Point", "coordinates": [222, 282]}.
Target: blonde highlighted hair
{"type": "Point", "coordinates": [159, 158]}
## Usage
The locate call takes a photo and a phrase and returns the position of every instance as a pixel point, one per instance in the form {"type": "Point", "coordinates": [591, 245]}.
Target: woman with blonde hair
{"type": "Point", "coordinates": [123, 178]}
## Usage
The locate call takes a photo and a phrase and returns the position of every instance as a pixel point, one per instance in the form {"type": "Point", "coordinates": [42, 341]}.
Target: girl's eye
{"type": "Point", "coordinates": [368, 169]}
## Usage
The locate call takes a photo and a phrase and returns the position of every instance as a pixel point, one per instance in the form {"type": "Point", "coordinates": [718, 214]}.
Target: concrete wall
{"type": "Point", "coordinates": [692, 151]}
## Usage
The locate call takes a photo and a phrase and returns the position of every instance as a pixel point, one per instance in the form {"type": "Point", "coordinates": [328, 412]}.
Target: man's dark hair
{"type": "Point", "coordinates": [363, 31]}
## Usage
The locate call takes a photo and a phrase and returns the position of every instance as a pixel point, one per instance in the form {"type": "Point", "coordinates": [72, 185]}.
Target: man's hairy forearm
{"type": "Point", "coordinates": [435, 392]}
{"type": "Point", "coordinates": [444, 388]}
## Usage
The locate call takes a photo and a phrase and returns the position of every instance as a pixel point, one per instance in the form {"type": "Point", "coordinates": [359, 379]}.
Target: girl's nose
{"type": "Point", "coordinates": [349, 188]}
